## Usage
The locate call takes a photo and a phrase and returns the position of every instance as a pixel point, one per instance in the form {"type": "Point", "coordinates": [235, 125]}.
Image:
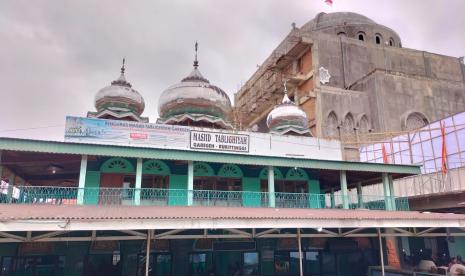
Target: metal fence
{"type": "Point", "coordinates": [179, 197]}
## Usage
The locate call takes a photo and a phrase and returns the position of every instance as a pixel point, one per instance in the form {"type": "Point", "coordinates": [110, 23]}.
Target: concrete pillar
{"type": "Point", "coordinates": [344, 191]}
{"type": "Point", "coordinates": [11, 183]}
{"type": "Point", "coordinates": [190, 183]}
{"type": "Point", "coordinates": [360, 195]}
{"type": "Point", "coordinates": [333, 201]}
{"type": "Point", "coordinates": [271, 195]}
{"type": "Point", "coordinates": [387, 192]}
{"type": "Point", "coordinates": [138, 185]}
{"type": "Point", "coordinates": [82, 180]}
{"type": "Point", "coordinates": [391, 191]}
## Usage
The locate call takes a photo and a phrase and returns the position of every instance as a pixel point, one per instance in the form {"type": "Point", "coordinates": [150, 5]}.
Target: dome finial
{"type": "Point", "coordinates": [286, 97]}
{"type": "Point", "coordinates": [196, 62]}
{"type": "Point", "coordinates": [122, 67]}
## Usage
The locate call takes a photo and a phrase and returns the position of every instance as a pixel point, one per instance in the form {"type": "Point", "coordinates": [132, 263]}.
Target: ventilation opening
{"type": "Point", "coordinates": [378, 40]}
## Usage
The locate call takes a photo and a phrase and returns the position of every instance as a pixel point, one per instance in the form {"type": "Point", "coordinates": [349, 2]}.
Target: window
{"type": "Point", "coordinates": [391, 42]}
{"type": "Point", "coordinates": [330, 128]}
{"type": "Point", "coordinates": [361, 36]}
{"type": "Point", "coordinates": [378, 39]}
{"type": "Point", "coordinates": [155, 181]}
{"type": "Point", "coordinates": [342, 34]}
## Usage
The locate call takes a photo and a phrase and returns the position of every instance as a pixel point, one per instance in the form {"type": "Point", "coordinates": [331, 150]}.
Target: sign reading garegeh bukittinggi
{"type": "Point", "coordinates": [219, 141]}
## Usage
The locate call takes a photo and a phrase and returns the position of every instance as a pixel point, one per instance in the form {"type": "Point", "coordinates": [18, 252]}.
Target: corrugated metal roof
{"type": "Point", "coordinates": [170, 154]}
{"type": "Point", "coordinates": [76, 212]}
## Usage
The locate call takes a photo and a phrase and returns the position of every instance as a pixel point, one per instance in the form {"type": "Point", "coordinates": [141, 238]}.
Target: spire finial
{"type": "Point", "coordinates": [122, 67]}
{"type": "Point", "coordinates": [196, 62]}
{"type": "Point", "coordinates": [285, 87]}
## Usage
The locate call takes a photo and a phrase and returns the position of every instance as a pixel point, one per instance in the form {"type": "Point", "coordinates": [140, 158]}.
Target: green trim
{"type": "Point", "coordinates": [230, 158]}
{"type": "Point", "coordinates": [155, 167]}
{"type": "Point", "coordinates": [203, 169]}
{"type": "Point", "coordinates": [117, 165]}
{"type": "Point", "coordinates": [296, 174]}
{"type": "Point", "coordinates": [230, 170]}
{"type": "Point", "coordinates": [277, 174]}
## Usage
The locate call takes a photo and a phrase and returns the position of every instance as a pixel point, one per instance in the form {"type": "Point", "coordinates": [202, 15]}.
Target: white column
{"type": "Point", "coordinates": [190, 183]}
{"type": "Point", "coordinates": [82, 180]}
{"type": "Point", "coordinates": [391, 191]}
{"type": "Point", "coordinates": [387, 191]}
{"type": "Point", "coordinates": [344, 191]}
{"type": "Point", "coordinates": [299, 242]}
{"type": "Point", "coordinates": [271, 195]}
{"type": "Point", "coordinates": [138, 185]}
{"type": "Point", "coordinates": [360, 195]}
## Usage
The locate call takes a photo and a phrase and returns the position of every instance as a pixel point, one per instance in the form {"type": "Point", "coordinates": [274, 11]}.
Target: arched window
{"type": "Point", "coordinates": [364, 125]}
{"type": "Point", "coordinates": [117, 165]}
{"type": "Point", "coordinates": [296, 174]}
{"type": "Point", "coordinates": [203, 169]}
{"type": "Point", "coordinates": [415, 120]}
{"type": "Point", "coordinates": [348, 125]}
{"type": "Point", "coordinates": [331, 124]}
{"type": "Point", "coordinates": [230, 170]}
{"type": "Point", "coordinates": [155, 167]}
{"type": "Point", "coordinates": [378, 39]}
{"type": "Point", "coordinates": [391, 41]}
{"type": "Point", "coordinates": [342, 34]}
{"type": "Point", "coordinates": [361, 36]}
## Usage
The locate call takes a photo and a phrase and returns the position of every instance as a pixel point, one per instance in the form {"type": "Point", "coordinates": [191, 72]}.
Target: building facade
{"type": "Point", "coordinates": [352, 76]}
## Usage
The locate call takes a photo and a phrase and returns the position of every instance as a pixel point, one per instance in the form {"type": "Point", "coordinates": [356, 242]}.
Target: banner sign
{"type": "Point", "coordinates": [219, 141]}
{"type": "Point", "coordinates": [99, 131]}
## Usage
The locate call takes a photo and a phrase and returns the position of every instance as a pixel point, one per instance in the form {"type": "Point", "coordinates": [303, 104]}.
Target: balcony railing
{"type": "Point", "coordinates": [180, 197]}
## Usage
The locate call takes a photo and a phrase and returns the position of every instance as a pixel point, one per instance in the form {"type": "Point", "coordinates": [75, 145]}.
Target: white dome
{"type": "Point", "coordinates": [287, 118]}
{"type": "Point", "coordinates": [119, 96]}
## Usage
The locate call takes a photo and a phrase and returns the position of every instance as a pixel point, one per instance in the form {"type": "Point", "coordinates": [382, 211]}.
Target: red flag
{"type": "Point", "coordinates": [329, 2]}
{"type": "Point", "coordinates": [444, 150]}
{"type": "Point", "coordinates": [383, 151]}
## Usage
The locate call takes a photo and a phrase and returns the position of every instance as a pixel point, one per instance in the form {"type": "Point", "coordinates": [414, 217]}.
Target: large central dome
{"type": "Point", "coordinates": [196, 102]}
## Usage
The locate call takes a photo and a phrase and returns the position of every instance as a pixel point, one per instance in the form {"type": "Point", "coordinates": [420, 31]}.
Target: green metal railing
{"type": "Point", "coordinates": [180, 197]}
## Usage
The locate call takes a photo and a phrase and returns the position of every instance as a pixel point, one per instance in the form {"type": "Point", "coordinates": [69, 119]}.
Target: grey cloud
{"type": "Point", "coordinates": [55, 55]}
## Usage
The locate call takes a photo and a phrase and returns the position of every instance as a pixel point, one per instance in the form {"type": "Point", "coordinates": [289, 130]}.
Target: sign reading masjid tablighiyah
{"type": "Point", "coordinates": [219, 141]}
{"type": "Point", "coordinates": [149, 135]}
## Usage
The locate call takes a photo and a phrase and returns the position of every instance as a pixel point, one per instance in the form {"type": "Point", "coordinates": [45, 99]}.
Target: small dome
{"type": "Point", "coordinates": [119, 97]}
{"type": "Point", "coordinates": [195, 101]}
{"type": "Point", "coordinates": [287, 118]}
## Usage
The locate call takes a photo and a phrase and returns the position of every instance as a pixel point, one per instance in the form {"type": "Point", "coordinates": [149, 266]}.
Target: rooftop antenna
{"type": "Point", "coordinates": [196, 62]}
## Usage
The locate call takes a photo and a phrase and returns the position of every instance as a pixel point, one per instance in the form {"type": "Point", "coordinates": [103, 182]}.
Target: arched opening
{"type": "Point", "coordinates": [415, 120]}
{"type": "Point", "coordinates": [342, 34]}
{"type": "Point", "coordinates": [348, 126]}
{"type": "Point", "coordinates": [378, 39]}
{"type": "Point", "coordinates": [361, 36]}
{"type": "Point", "coordinates": [391, 42]}
{"type": "Point", "coordinates": [116, 173]}
{"type": "Point", "coordinates": [155, 175]}
{"type": "Point", "coordinates": [364, 125]}
{"type": "Point", "coordinates": [331, 124]}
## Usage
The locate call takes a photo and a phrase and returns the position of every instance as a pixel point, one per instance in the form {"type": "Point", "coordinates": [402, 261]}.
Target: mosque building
{"type": "Point", "coordinates": [192, 194]}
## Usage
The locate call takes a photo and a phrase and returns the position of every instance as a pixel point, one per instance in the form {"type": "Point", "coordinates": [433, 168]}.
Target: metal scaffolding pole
{"type": "Point", "coordinates": [147, 253]}
{"type": "Point", "coordinates": [300, 252]}
{"type": "Point", "coordinates": [381, 254]}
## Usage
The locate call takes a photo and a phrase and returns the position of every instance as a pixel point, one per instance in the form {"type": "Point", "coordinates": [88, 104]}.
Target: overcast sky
{"type": "Point", "coordinates": [56, 55]}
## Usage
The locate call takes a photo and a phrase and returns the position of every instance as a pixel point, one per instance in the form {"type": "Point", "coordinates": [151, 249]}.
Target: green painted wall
{"type": "Point", "coordinates": [179, 196]}
{"type": "Point", "coordinates": [316, 200]}
{"type": "Point", "coordinates": [457, 247]}
{"type": "Point", "coordinates": [92, 181]}
{"type": "Point", "coordinates": [251, 184]}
